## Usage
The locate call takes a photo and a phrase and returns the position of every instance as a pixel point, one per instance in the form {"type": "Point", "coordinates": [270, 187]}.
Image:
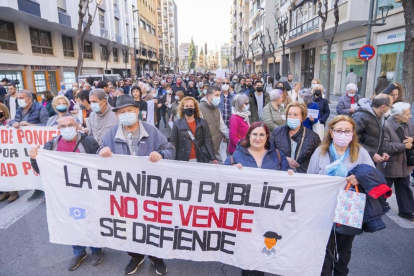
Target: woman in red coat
{"type": "Point", "coordinates": [239, 121]}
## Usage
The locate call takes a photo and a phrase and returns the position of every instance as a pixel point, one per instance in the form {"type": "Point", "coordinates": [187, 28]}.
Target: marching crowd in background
{"type": "Point", "coordinates": [264, 123]}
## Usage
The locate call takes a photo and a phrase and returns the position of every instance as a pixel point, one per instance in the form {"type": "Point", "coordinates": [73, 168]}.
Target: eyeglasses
{"type": "Point", "coordinates": [340, 131]}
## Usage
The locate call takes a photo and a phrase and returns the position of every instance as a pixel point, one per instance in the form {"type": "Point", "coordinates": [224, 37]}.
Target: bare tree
{"type": "Point", "coordinates": [243, 57]}
{"type": "Point", "coordinates": [282, 27]}
{"type": "Point", "coordinates": [263, 47]}
{"type": "Point", "coordinates": [408, 66]}
{"type": "Point", "coordinates": [85, 10]}
{"type": "Point", "coordinates": [272, 51]}
{"type": "Point", "coordinates": [253, 62]}
{"type": "Point", "coordinates": [328, 39]}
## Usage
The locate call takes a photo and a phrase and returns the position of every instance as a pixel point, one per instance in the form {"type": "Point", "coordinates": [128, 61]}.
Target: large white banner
{"type": "Point", "coordinates": [16, 172]}
{"type": "Point", "coordinates": [250, 218]}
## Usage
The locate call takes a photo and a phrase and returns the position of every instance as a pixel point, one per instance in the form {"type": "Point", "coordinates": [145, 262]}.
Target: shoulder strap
{"type": "Point", "coordinates": [77, 144]}
{"type": "Point", "coordinates": [280, 159]}
{"type": "Point", "coordinates": [231, 160]}
{"type": "Point", "coordinates": [301, 143]}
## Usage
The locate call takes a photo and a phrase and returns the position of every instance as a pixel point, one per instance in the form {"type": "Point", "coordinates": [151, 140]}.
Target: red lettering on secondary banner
{"type": "Point", "coordinates": [35, 137]}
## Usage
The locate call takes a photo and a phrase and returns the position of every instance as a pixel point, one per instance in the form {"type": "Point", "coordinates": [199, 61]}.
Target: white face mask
{"type": "Point", "coordinates": [225, 87]}
{"type": "Point", "coordinates": [351, 95]}
{"type": "Point", "coordinates": [22, 103]}
{"type": "Point", "coordinates": [68, 133]}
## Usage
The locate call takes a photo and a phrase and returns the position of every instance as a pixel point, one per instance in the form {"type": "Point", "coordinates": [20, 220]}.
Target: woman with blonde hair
{"type": "Point", "coordinates": [61, 106]}
{"type": "Point", "coordinates": [191, 135]}
{"type": "Point", "coordinates": [338, 154]}
{"type": "Point", "coordinates": [179, 95]}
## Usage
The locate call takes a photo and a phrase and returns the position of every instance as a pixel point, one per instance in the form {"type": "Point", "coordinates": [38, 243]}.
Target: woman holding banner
{"type": "Point", "coordinates": [4, 120]}
{"type": "Point", "coordinates": [338, 154]}
{"type": "Point", "coordinates": [190, 135]}
{"type": "Point", "coordinates": [254, 152]}
{"type": "Point", "coordinates": [61, 106]}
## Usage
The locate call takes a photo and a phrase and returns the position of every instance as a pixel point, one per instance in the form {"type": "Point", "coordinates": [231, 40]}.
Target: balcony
{"type": "Point", "coordinates": [64, 18]}
{"type": "Point", "coordinates": [304, 28]}
{"type": "Point", "coordinates": [29, 6]}
{"type": "Point", "coordinates": [104, 33]}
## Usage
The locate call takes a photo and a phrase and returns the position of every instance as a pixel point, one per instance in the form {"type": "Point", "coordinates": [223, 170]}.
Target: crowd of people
{"type": "Point", "coordinates": [277, 125]}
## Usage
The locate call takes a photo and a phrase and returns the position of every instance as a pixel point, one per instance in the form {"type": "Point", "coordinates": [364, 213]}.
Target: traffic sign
{"type": "Point", "coordinates": [366, 52]}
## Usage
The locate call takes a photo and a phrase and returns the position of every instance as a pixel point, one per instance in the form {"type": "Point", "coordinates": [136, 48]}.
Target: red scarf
{"type": "Point", "coordinates": [352, 99]}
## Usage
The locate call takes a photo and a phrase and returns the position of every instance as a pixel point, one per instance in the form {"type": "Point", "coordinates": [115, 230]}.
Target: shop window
{"type": "Point", "coordinates": [41, 42]}
{"type": "Point", "coordinates": [323, 73]}
{"type": "Point", "coordinates": [7, 36]}
{"type": "Point", "coordinates": [13, 76]}
{"type": "Point", "coordinates": [390, 60]}
{"type": "Point", "coordinates": [68, 50]}
{"type": "Point", "coordinates": [69, 78]}
{"type": "Point", "coordinates": [40, 81]}
{"type": "Point", "coordinates": [88, 50]}
{"type": "Point", "coordinates": [125, 56]}
{"type": "Point", "coordinates": [115, 54]}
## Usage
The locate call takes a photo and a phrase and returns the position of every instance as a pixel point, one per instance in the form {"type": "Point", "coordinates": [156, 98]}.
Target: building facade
{"type": "Point", "coordinates": [305, 52]}
{"type": "Point", "coordinates": [167, 36]}
{"type": "Point", "coordinates": [184, 49]}
{"type": "Point", "coordinates": [38, 42]}
{"type": "Point", "coordinates": [146, 46]}
{"type": "Point", "coordinates": [225, 55]}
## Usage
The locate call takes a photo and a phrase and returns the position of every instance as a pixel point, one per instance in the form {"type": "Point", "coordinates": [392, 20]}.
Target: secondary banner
{"type": "Point", "coordinates": [251, 218]}
{"type": "Point", "coordinates": [16, 172]}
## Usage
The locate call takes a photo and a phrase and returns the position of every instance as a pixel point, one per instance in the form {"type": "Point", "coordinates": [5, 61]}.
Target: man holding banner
{"type": "Point", "coordinates": [136, 138]}
{"type": "Point", "coordinates": [70, 140]}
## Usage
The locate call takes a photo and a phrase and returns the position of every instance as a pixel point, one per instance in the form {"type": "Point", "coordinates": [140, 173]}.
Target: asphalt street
{"type": "Point", "coordinates": [26, 250]}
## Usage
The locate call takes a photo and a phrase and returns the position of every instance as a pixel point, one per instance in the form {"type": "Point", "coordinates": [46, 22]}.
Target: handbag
{"type": "Point", "coordinates": [409, 152]}
{"type": "Point", "coordinates": [350, 207]}
{"type": "Point", "coordinates": [203, 155]}
{"type": "Point", "coordinates": [319, 129]}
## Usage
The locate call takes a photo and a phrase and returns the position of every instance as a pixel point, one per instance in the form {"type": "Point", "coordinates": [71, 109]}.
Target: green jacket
{"type": "Point", "coordinates": [272, 118]}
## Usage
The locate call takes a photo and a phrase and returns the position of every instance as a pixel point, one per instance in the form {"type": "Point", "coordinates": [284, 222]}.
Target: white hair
{"type": "Point", "coordinates": [399, 108]}
{"type": "Point", "coordinates": [351, 86]}
{"type": "Point", "coordinates": [275, 94]}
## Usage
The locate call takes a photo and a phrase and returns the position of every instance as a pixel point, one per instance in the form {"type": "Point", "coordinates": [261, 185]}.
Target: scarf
{"type": "Point", "coordinates": [352, 99]}
{"type": "Point", "coordinates": [337, 168]}
{"type": "Point", "coordinates": [245, 115]}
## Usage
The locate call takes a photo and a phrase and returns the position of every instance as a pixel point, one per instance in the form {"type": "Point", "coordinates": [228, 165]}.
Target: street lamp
{"type": "Point", "coordinates": [384, 8]}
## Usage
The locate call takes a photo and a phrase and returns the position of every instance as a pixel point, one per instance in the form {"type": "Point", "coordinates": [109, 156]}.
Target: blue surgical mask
{"type": "Point", "coordinates": [216, 101]}
{"type": "Point", "coordinates": [246, 108]}
{"type": "Point", "coordinates": [293, 123]}
{"type": "Point", "coordinates": [68, 133]}
{"type": "Point", "coordinates": [95, 107]}
{"type": "Point", "coordinates": [128, 119]}
{"type": "Point", "coordinates": [61, 108]}
{"type": "Point", "coordinates": [62, 86]}
{"type": "Point", "coordinates": [205, 91]}
{"type": "Point", "coordinates": [176, 98]}
{"type": "Point", "coordinates": [300, 100]}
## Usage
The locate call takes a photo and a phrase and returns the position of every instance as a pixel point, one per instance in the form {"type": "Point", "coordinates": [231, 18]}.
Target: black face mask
{"type": "Point", "coordinates": [317, 93]}
{"type": "Point", "coordinates": [259, 89]}
{"type": "Point", "coordinates": [189, 111]}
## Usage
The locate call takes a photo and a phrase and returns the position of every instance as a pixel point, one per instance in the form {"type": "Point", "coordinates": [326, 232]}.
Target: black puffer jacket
{"type": "Point", "coordinates": [382, 83]}
{"type": "Point", "coordinates": [369, 127]}
{"type": "Point", "coordinates": [87, 144]}
{"type": "Point", "coordinates": [182, 140]}
{"type": "Point", "coordinates": [280, 139]}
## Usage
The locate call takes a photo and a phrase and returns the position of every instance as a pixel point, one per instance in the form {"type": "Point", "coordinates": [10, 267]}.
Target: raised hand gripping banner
{"type": "Point", "coordinates": [251, 218]}
{"type": "Point", "coordinates": [16, 172]}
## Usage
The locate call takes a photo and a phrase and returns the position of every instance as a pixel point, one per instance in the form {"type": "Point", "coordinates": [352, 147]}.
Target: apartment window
{"type": "Point", "coordinates": [115, 3]}
{"type": "Point", "coordinates": [127, 33]}
{"type": "Point", "coordinates": [148, 28]}
{"type": "Point", "coordinates": [61, 5]}
{"type": "Point", "coordinates": [115, 54]}
{"type": "Point", "coordinates": [7, 36]}
{"type": "Point", "coordinates": [88, 50]}
{"type": "Point", "coordinates": [116, 25]}
{"type": "Point", "coordinates": [153, 31]}
{"type": "Point", "coordinates": [142, 24]}
{"type": "Point", "coordinates": [41, 41]}
{"type": "Point", "coordinates": [104, 52]}
{"type": "Point", "coordinates": [126, 7]}
{"type": "Point", "coordinates": [102, 19]}
{"type": "Point", "coordinates": [67, 46]}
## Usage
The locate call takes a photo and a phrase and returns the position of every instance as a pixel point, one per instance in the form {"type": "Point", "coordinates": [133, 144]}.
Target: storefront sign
{"type": "Point", "coordinates": [366, 52]}
{"type": "Point", "coordinates": [11, 67]}
{"type": "Point", "coordinates": [353, 43]}
{"type": "Point", "coordinates": [43, 68]}
{"type": "Point", "coordinates": [392, 36]}
{"type": "Point", "coordinates": [324, 49]}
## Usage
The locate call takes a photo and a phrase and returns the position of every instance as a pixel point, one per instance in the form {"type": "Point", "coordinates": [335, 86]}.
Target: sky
{"type": "Point", "coordinates": [204, 20]}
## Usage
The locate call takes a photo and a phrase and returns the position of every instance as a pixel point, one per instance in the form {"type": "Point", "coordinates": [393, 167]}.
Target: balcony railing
{"type": "Point", "coordinates": [104, 33]}
{"type": "Point", "coordinates": [64, 19]}
{"type": "Point", "coordinates": [304, 28]}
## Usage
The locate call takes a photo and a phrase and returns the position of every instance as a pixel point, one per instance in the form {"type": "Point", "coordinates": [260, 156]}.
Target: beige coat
{"type": "Point", "coordinates": [272, 118]}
